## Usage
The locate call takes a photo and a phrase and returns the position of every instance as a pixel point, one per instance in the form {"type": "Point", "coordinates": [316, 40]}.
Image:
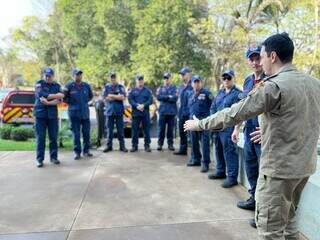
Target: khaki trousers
{"type": "Point", "coordinates": [276, 204]}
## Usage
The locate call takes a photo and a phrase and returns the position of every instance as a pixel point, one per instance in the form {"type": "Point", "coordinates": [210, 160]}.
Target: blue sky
{"type": "Point", "coordinates": [13, 11]}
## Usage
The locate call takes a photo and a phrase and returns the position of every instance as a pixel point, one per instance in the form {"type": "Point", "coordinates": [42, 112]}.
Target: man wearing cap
{"type": "Point", "coordinates": [200, 100]}
{"type": "Point", "coordinates": [226, 152]}
{"type": "Point", "coordinates": [47, 95]}
{"type": "Point", "coordinates": [252, 150]}
{"type": "Point", "coordinates": [168, 96]}
{"type": "Point", "coordinates": [140, 98]}
{"type": "Point", "coordinates": [183, 113]}
{"type": "Point", "coordinates": [290, 106]}
{"type": "Point", "coordinates": [114, 95]}
{"type": "Point", "coordinates": [77, 95]}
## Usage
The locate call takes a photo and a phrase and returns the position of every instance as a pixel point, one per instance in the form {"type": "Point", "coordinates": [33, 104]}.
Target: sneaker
{"type": "Point", "coordinates": [147, 149]}
{"type": "Point", "coordinates": [159, 148]}
{"type": "Point", "coordinates": [77, 157]}
{"type": "Point", "coordinates": [249, 204]}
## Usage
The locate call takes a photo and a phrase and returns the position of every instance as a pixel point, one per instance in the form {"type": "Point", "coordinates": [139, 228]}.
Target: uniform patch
{"type": "Point", "coordinates": [258, 85]}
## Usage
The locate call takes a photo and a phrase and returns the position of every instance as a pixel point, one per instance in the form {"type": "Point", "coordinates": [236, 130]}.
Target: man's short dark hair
{"type": "Point", "coordinates": [282, 45]}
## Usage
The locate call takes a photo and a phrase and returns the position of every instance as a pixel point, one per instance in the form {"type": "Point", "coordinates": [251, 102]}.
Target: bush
{"type": "Point", "coordinates": [20, 134]}
{"type": "Point", "coordinates": [30, 132]}
{"type": "Point", "coordinates": [94, 138]}
{"type": "Point", "coordinates": [5, 132]}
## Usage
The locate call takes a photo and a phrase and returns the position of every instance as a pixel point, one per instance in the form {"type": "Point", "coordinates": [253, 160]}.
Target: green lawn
{"type": "Point", "coordinates": [30, 145]}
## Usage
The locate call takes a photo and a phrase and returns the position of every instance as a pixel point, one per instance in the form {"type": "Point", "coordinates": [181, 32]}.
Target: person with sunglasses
{"type": "Point", "coordinates": [167, 95]}
{"type": "Point", "coordinates": [252, 149]}
{"type": "Point", "coordinates": [226, 152]}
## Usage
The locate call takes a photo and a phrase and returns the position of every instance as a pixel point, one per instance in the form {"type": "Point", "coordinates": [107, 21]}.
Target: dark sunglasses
{"type": "Point", "coordinates": [226, 78]}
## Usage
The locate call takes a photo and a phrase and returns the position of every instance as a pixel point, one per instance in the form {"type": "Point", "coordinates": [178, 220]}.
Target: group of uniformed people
{"type": "Point", "coordinates": [48, 95]}
{"type": "Point", "coordinates": [288, 105]}
{"type": "Point", "coordinates": [202, 117]}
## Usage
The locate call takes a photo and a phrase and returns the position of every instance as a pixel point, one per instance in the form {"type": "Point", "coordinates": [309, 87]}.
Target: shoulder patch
{"type": "Point", "coordinates": [256, 87]}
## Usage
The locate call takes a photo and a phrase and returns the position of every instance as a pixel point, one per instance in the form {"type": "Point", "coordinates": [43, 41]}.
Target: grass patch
{"type": "Point", "coordinates": [30, 145]}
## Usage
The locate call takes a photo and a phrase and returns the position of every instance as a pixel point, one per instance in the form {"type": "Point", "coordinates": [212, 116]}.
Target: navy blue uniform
{"type": "Point", "coordinates": [168, 96]}
{"type": "Point", "coordinates": [199, 104]}
{"type": "Point", "coordinates": [77, 95]}
{"type": "Point", "coordinates": [226, 151]}
{"type": "Point", "coordinates": [140, 96]}
{"type": "Point", "coordinates": [46, 117]}
{"type": "Point", "coordinates": [184, 114]}
{"type": "Point", "coordinates": [114, 113]}
{"type": "Point", "coordinates": [252, 151]}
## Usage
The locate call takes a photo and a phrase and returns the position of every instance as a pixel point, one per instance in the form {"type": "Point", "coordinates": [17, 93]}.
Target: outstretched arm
{"type": "Point", "coordinates": [266, 98]}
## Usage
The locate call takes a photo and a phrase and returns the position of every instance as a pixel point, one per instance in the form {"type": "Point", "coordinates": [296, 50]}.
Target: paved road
{"type": "Point", "coordinates": [116, 196]}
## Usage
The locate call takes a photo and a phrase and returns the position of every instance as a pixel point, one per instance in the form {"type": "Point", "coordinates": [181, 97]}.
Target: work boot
{"type": "Point", "coordinates": [134, 149]}
{"type": "Point", "coordinates": [180, 153]}
{"type": "Point", "coordinates": [249, 204]}
{"type": "Point", "coordinates": [123, 149]}
{"type": "Point", "coordinates": [107, 149]}
{"type": "Point", "coordinates": [39, 164]}
{"type": "Point", "coordinates": [159, 148]}
{"type": "Point", "coordinates": [252, 223]}
{"type": "Point", "coordinates": [192, 164]}
{"type": "Point", "coordinates": [147, 148]}
{"type": "Point", "coordinates": [228, 183]}
{"type": "Point", "coordinates": [204, 168]}
{"type": "Point", "coordinates": [55, 161]}
{"type": "Point", "coordinates": [171, 147]}
{"type": "Point", "coordinates": [214, 176]}
{"type": "Point", "coordinates": [88, 154]}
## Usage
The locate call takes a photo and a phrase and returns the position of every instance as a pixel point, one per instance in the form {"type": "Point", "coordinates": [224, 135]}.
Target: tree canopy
{"type": "Point", "coordinates": [151, 37]}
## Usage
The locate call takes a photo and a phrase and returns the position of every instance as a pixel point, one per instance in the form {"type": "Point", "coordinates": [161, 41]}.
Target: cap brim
{"type": "Point", "coordinates": [252, 53]}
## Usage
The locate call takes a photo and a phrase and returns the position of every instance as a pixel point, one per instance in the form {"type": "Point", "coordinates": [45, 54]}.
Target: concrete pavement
{"type": "Point", "coordinates": [116, 196]}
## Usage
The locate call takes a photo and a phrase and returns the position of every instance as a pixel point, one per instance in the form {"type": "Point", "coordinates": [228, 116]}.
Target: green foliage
{"type": "Point", "coordinates": [64, 133]}
{"type": "Point", "coordinates": [20, 134]}
{"type": "Point", "coordinates": [94, 137]}
{"type": "Point", "coordinates": [153, 36]}
{"type": "Point", "coordinates": [5, 132]}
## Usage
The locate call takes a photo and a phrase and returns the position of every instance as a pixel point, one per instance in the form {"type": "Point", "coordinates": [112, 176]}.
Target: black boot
{"type": "Point", "coordinates": [171, 147]}
{"type": "Point", "coordinates": [249, 204]}
{"type": "Point", "coordinates": [123, 149]}
{"type": "Point", "coordinates": [134, 149]}
{"type": "Point", "coordinates": [147, 148]}
{"type": "Point", "coordinates": [107, 149]}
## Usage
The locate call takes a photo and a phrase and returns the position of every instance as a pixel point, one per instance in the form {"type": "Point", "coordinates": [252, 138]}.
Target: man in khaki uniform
{"type": "Point", "coordinates": [290, 104]}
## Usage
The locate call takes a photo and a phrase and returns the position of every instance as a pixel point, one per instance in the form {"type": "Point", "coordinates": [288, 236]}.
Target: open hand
{"type": "Point", "coordinates": [256, 136]}
{"type": "Point", "coordinates": [191, 125]}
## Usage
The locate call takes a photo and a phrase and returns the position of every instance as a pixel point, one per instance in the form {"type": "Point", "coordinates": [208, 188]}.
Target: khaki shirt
{"type": "Point", "coordinates": [290, 106]}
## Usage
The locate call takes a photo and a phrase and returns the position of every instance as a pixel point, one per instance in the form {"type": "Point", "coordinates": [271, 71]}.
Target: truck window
{"type": "Point", "coordinates": [22, 99]}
